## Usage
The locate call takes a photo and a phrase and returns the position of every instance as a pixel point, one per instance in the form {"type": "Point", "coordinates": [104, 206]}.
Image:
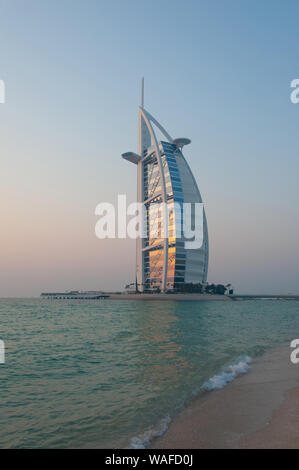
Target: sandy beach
{"type": "Point", "coordinates": [259, 409]}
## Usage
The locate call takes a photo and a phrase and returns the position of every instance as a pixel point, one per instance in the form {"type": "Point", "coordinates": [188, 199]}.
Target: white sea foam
{"type": "Point", "coordinates": [142, 441]}
{"type": "Point", "coordinates": [228, 374]}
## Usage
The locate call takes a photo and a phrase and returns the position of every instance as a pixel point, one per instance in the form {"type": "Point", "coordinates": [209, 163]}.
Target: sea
{"type": "Point", "coordinates": [113, 374]}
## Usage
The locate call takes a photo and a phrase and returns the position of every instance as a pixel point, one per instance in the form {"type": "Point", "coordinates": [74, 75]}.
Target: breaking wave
{"type": "Point", "coordinates": [228, 374]}
{"type": "Point", "coordinates": [142, 441]}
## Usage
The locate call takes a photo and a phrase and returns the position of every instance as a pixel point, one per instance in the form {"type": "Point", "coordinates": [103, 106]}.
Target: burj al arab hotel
{"type": "Point", "coordinates": [163, 175]}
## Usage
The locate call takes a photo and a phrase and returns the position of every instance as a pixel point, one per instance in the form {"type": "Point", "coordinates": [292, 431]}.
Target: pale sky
{"type": "Point", "coordinates": [216, 72]}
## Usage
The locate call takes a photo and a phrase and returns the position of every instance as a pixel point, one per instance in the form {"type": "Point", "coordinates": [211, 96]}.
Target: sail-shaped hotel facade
{"type": "Point", "coordinates": [163, 263]}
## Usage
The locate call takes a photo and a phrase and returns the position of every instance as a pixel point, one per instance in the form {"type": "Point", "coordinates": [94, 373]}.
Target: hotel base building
{"type": "Point", "coordinates": [163, 263]}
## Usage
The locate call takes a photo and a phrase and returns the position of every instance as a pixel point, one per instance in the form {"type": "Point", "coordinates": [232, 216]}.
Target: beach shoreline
{"type": "Point", "coordinates": [169, 297]}
{"type": "Point", "coordinates": [202, 297]}
{"type": "Point", "coordinates": [259, 409]}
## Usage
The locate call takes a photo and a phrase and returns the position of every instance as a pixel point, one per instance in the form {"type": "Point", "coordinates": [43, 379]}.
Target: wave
{"type": "Point", "coordinates": [142, 441]}
{"type": "Point", "coordinates": [228, 374]}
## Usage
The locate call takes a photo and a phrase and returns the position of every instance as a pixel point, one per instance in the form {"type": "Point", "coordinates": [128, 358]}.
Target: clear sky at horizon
{"type": "Point", "coordinates": [217, 72]}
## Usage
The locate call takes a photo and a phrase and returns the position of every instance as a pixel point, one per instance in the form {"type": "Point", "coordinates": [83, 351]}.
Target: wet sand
{"type": "Point", "coordinates": [257, 410]}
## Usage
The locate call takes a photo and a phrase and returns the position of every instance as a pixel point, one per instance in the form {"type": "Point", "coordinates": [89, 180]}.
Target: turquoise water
{"type": "Point", "coordinates": [103, 373]}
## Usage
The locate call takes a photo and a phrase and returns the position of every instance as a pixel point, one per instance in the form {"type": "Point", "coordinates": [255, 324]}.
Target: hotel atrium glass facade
{"type": "Point", "coordinates": [154, 257]}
